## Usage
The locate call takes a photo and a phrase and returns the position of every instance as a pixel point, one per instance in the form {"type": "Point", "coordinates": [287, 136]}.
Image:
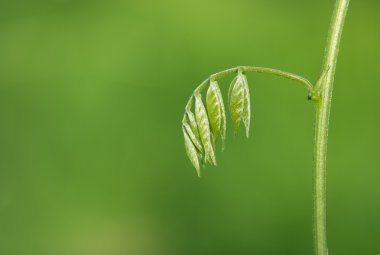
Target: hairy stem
{"type": "Point", "coordinates": [323, 105]}
{"type": "Point", "coordinates": [305, 82]}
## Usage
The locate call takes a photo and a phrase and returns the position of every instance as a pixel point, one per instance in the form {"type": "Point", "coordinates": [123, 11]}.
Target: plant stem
{"type": "Point", "coordinates": [323, 105]}
{"type": "Point", "coordinates": [305, 82]}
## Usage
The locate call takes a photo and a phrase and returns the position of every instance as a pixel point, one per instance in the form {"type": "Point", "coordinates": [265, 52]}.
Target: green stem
{"type": "Point", "coordinates": [323, 105]}
{"type": "Point", "coordinates": [305, 82]}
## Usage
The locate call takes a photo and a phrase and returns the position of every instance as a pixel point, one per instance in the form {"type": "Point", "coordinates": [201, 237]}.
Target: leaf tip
{"type": "Point", "coordinates": [199, 174]}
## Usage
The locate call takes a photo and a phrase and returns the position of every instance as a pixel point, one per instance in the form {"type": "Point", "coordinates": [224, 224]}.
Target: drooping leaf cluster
{"type": "Point", "coordinates": [203, 123]}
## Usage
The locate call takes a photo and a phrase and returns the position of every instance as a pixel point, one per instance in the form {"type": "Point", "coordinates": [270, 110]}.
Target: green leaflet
{"type": "Point", "coordinates": [247, 106]}
{"type": "Point", "coordinates": [223, 120]}
{"type": "Point", "coordinates": [216, 111]}
{"type": "Point", "coordinates": [191, 152]}
{"type": "Point", "coordinates": [191, 117]}
{"type": "Point", "coordinates": [193, 138]}
{"type": "Point", "coordinates": [213, 108]}
{"type": "Point", "coordinates": [240, 104]}
{"type": "Point", "coordinates": [204, 129]}
{"type": "Point", "coordinates": [236, 94]}
{"type": "Point", "coordinates": [231, 86]}
{"type": "Point", "coordinates": [193, 123]}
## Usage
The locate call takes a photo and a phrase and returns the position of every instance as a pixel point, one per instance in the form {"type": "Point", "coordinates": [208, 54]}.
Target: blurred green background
{"type": "Point", "coordinates": [92, 160]}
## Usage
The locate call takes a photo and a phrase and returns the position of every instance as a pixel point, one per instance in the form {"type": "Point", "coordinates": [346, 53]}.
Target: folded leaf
{"type": "Point", "coordinates": [237, 91]}
{"type": "Point", "coordinates": [191, 152]}
{"type": "Point", "coordinates": [223, 125]}
{"type": "Point", "coordinates": [231, 86]}
{"type": "Point", "coordinates": [214, 108]}
{"type": "Point", "coordinates": [191, 118]}
{"type": "Point", "coordinates": [204, 129]}
{"type": "Point", "coordinates": [247, 106]}
{"type": "Point", "coordinates": [215, 100]}
{"type": "Point", "coordinates": [193, 138]}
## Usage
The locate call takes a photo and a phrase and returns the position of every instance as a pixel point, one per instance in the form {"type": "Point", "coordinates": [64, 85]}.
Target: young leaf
{"type": "Point", "coordinates": [191, 152]}
{"type": "Point", "coordinates": [193, 138]}
{"type": "Point", "coordinates": [223, 124]}
{"type": "Point", "coordinates": [193, 123]}
{"type": "Point", "coordinates": [237, 90]}
{"type": "Point", "coordinates": [204, 129]}
{"type": "Point", "coordinates": [247, 106]}
{"type": "Point", "coordinates": [191, 118]}
{"type": "Point", "coordinates": [213, 108]}
{"type": "Point", "coordinates": [231, 86]}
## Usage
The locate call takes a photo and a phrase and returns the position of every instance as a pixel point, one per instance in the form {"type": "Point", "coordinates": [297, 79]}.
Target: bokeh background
{"type": "Point", "coordinates": [92, 160]}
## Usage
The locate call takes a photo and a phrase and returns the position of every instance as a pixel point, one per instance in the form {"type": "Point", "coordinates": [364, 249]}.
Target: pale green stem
{"type": "Point", "coordinates": [257, 69]}
{"type": "Point", "coordinates": [303, 81]}
{"type": "Point", "coordinates": [323, 105]}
